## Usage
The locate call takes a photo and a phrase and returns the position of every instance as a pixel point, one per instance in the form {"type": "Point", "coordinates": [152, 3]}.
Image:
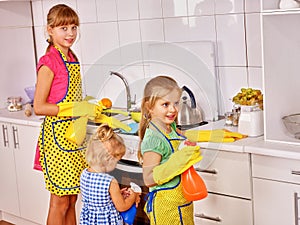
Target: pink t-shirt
{"type": "Point", "coordinates": [54, 61]}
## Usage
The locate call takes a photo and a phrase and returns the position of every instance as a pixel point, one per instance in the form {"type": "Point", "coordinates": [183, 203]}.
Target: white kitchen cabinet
{"type": "Point", "coordinates": [228, 182]}
{"type": "Point", "coordinates": [281, 53]}
{"type": "Point", "coordinates": [23, 192]}
{"type": "Point", "coordinates": [33, 197]}
{"type": "Point", "coordinates": [8, 187]}
{"type": "Point", "coordinates": [276, 190]}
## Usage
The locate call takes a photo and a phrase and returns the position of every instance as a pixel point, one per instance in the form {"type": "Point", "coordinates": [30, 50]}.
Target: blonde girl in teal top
{"type": "Point", "coordinates": [159, 155]}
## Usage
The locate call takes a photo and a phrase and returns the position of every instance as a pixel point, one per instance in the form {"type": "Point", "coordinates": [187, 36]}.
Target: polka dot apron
{"type": "Point", "coordinates": [62, 161]}
{"type": "Point", "coordinates": [168, 205]}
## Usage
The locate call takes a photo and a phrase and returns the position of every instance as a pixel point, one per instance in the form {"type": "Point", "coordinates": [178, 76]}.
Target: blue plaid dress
{"type": "Point", "coordinates": [98, 207]}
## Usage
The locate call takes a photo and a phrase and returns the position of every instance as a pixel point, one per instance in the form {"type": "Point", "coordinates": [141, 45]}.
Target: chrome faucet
{"type": "Point", "coordinates": [129, 102]}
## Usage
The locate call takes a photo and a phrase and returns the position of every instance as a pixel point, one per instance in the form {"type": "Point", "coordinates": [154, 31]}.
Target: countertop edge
{"type": "Point", "coordinates": [250, 145]}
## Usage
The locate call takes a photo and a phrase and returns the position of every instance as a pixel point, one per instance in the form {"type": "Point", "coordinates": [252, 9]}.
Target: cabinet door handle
{"type": "Point", "coordinates": [213, 171]}
{"type": "Point", "coordinates": [203, 216]}
{"type": "Point", "coordinates": [5, 135]}
{"type": "Point", "coordinates": [16, 138]}
{"type": "Point", "coordinates": [296, 200]}
{"type": "Point", "coordinates": [295, 172]}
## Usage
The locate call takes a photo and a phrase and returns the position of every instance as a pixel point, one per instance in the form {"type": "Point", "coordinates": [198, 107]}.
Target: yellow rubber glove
{"type": "Point", "coordinates": [179, 162]}
{"type": "Point", "coordinates": [82, 108]}
{"type": "Point", "coordinates": [220, 135]}
{"type": "Point", "coordinates": [112, 122]}
{"type": "Point", "coordinates": [76, 131]}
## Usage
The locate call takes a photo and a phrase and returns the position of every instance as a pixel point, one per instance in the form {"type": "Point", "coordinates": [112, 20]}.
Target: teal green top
{"type": "Point", "coordinates": [154, 141]}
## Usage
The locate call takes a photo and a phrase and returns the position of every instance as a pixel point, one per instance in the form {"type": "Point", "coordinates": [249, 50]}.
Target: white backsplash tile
{"type": "Point", "coordinates": [252, 6]}
{"type": "Point", "coordinates": [130, 42]}
{"type": "Point", "coordinates": [254, 48]}
{"type": "Point", "coordinates": [229, 6]}
{"type": "Point", "coordinates": [176, 29]}
{"type": "Point", "coordinates": [150, 9]}
{"type": "Point", "coordinates": [255, 77]}
{"type": "Point", "coordinates": [201, 7]}
{"type": "Point", "coordinates": [106, 10]}
{"type": "Point", "coordinates": [152, 30]}
{"type": "Point", "coordinates": [202, 28]}
{"type": "Point", "coordinates": [127, 9]}
{"type": "Point", "coordinates": [109, 41]}
{"type": "Point", "coordinates": [174, 8]}
{"type": "Point", "coordinates": [87, 11]}
{"type": "Point", "coordinates": [129, 32]}
{"type": "Point", "coordinates": [231, 40]}
{"type": "Point", "coordinates": [94, 45]}
{"type": "Point", "coordinates": [232, 79]}
{"type": "Point", "coordinates": [91, 50]}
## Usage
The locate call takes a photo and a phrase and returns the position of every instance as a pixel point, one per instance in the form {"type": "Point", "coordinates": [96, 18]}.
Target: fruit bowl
{"type": "Point", "coordinates": [292, 124]}
{"type": "Point", "coordinates": [249, 97]}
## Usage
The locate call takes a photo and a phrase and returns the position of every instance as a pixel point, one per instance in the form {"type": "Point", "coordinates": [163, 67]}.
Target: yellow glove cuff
{"type": "Point", "coordinates": [82, 108]}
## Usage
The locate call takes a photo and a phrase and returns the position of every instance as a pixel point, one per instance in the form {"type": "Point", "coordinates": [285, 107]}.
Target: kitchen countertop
{"type": "Point", "coordinates": [19, 117]}
{"type": "Point", "coordinates": [254, 145]}
{"type": "Point", "coordinates": [282, 150]}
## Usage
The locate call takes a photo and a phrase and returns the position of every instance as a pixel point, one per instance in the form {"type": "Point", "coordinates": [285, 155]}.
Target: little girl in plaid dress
{"type": "Point", "coordinates": [101, 195]}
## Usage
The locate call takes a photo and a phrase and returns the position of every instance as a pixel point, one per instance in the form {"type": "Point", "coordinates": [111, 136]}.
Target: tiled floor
{"type": "Point", "coordinates": [5, 223]}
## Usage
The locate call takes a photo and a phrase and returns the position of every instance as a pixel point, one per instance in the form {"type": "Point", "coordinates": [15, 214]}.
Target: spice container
{"type": "Point", "coordinates": [236, 115]}
{"type": "Point", "coordinates": [228, 118]}
{"type": "Point", "coordinates": [14, 103]}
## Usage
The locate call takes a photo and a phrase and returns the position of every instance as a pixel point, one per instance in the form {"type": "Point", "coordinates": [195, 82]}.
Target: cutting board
{"type": "Point", "coordinates": [191, 64]}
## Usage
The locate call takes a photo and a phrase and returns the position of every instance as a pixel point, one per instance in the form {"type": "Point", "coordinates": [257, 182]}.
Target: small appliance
{"type": "Point", "coordinates": [251, 121]}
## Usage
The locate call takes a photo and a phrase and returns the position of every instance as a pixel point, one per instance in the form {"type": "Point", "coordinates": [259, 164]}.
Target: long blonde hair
{"type": "Point", "coordinates": [60, 15]}
{"type": "Point", "coordinates": [100, 158]}
{"type": "Point", "coordinates": [155, 89]}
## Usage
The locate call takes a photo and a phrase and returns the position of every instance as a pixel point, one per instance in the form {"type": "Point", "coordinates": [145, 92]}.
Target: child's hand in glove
{"type": "Point", "coordinates": [82, 108]}
{"type": "Point", "coordinates": [178, 162]}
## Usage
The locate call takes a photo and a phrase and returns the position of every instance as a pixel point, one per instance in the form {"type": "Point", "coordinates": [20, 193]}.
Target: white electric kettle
{"type": "Point", "coordinates": [251, 121]}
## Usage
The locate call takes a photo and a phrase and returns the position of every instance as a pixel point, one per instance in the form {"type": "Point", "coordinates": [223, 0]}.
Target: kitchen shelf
{"type": "Point", "coordinates": [281, 52]}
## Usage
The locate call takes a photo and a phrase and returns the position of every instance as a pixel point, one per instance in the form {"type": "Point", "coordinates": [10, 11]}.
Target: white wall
{"type": "Point", "coordinates": [108, 26]}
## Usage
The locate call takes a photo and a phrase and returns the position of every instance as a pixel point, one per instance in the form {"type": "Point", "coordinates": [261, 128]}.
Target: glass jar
{"type": "Point", "coordinates": [236, 111]}
{"type": "Point", "coordinates": [14, 103]}
{"type": "Point", "coordinates": [228, 118]}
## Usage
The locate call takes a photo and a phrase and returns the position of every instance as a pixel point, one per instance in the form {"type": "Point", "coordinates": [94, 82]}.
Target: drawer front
{"type": "Point", "coordinates": [274, 168]}
{"type": "Point", "coordinates": [228, 174]}
{"type": "Point", "coordinates": [222, 210]}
